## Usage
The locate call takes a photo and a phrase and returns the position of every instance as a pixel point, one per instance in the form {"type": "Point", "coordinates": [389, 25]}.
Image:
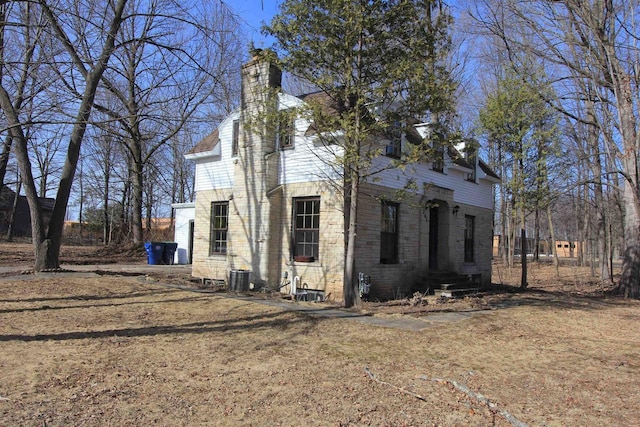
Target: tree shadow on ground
{"type": "Point", "coordinates": [280, 321]}
{"type": "Point", "coordinates": [590, 298]}
{"type": "Point", "coordinates": [150, 292]}
{"type": "Point", "coordinates": [93, 306]}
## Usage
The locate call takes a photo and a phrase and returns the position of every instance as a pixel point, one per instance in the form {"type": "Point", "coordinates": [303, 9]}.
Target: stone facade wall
{"type": "Point", "coordinates": [396, 280]}
{"type": "Point", "coordinates": [327, 272]}
{"type": "Point", "coordinates": [255, 175]}
{"type": "Point", "coordinates": [483, 241]}
{"type": "Point", "coordinates": [390, 280]}
{"type": "Point", "coordinates": [205, 265]}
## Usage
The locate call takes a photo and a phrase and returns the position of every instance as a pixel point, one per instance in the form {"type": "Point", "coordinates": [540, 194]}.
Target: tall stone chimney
{"type": "Point", "coordinates": [252, 244]}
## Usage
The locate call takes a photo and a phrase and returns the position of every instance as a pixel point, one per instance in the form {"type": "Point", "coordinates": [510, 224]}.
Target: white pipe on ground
{"type": "Point", "coordinates": [294, 285]}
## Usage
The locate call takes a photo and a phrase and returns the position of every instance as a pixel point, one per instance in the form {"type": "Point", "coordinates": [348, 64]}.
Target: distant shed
{"type": "Point", "coordinates": [184, 215]}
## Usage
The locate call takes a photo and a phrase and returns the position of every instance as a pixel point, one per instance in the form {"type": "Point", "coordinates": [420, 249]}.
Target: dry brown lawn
{"type": "Point", "coordinates": [88, 350]}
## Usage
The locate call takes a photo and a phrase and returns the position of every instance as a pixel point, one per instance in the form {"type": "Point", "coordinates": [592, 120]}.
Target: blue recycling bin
{"type": "Point", "coordinates": [155, 251]}
{"type": "Point", "coordinates": [169, 252]}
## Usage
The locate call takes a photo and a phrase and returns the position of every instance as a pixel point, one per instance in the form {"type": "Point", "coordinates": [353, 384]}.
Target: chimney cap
{"type": "Point", "coordinates": [258, 53]}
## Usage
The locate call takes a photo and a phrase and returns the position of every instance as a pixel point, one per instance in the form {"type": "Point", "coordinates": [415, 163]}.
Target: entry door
{"type": "Point", "coordinates": [191, 230]}
{"type": "Point", "coordinates": [433, 238]}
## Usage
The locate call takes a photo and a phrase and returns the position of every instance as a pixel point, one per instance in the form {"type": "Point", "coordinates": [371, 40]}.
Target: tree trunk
{"type": "Point", "coordinates": [536, 235]}
{"type": "Point", "coordinates": [24, 163]}
{"type": "Point", "coordinates": [587, 231]}
{"type": "Point", "coordinates": [350, 288]}
{"type": "Point", "coordinates": [136, 203]}
{"type": "Point", "coordinates": [106, 235]}
{"type": "Point", "coordinates": [48, 251]}
{"type": "Point", "coordinates": [4, 158]}
{"type": "Point", "coordinates": [552, 237]}
{"type": "Point", "coordinates": [630, 280]}
{"type": "Point", "coordinates": [601, 233]}
{"type": "Point", "coordinates": [14, 208]}
{"type": "Point", "coordinates": [506, 241]}
{"type": "Point", "coordinates": [81, 207]}
{"type": "Point", "coordinates": [523, 242]}
{"type": "Point", "coordinates": [125, 222]}
{"type": "Point", "coordinates": [579, 211]}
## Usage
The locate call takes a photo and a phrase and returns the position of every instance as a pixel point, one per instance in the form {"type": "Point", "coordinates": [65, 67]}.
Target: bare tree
{"type": "Point", "coordinates": [176, 62]}
{"type": "Point", "coordinates": [20, 33]}
{"type": "Point", "coordinates": [595, 42]}
{"type": "Point", "coordinates": [109, 18]}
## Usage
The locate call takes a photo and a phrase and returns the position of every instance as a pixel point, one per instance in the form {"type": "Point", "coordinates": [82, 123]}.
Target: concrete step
{"type": "Point", "coordinates": [454, 293]}
{"type": "Point", "coordinates": [452, 286]}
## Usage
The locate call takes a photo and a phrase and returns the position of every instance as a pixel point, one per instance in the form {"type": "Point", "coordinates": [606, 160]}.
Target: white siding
{"type": "Point", "coordinates": [308, 160]}
{"type": "Point", "coordinates": [213, 173]}
{"type": "Point", "coordinates": [217, 171]}
{"type": "Point", "coordinates": [465, 192]}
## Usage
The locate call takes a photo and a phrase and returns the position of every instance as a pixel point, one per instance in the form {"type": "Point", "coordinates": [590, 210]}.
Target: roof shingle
{"type": "Point", "coordinates": [206, 144]}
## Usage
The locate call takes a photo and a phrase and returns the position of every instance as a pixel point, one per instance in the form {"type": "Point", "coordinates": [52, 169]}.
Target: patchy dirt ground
{"type": "Point", "coordinates": [21, 253]}
{"type": "Point", "coordinates": [86, 349]}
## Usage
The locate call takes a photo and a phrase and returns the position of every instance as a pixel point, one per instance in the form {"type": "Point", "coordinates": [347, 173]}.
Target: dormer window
{"type": "Point", "coordinates": [471, 156]}
{"type": "Point", "coordinates": [438, 156]}
{"type": "Point", "coordinates": [394, 148]}
{"type": "Point", "coordinates": [286, 132]}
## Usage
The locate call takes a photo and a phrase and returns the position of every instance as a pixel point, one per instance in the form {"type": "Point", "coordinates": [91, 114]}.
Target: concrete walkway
{"type": "Point", "coordinates": [316, 309]}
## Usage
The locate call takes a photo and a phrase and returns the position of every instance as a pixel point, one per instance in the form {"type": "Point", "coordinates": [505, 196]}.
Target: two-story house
{"type": "Point", "coordinates": [272, 204]}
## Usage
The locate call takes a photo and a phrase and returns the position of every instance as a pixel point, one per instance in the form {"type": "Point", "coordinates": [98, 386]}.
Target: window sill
{"type": "Point", "coordinates": [304, 259]}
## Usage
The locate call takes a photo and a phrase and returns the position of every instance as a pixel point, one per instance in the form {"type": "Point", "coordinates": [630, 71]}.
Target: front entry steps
{"type": "Point", "coordinates": [448, 284]}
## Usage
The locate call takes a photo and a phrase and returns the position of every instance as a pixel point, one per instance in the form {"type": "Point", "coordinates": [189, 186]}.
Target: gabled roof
{"type": "Point", "coordinates": [487, 170]}
{"type": "Point", "coordinates": [331, 108]}
{"type": "Point", "coordinates": [7, 195]}
{"type": "Point", "coordinates": [458, 159]}
{"type": "Point", "coordinates": [47, 203]}
{"type": "Point", "coordinates": [207, 144]}
{"type": "Point", "coordinates": [327, 105]}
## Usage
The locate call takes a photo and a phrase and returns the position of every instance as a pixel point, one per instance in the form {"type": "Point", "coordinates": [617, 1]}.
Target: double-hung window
{"type": "Point", "coordinates": [438, 156]}
{"type": "Point", "coordinates": [394, 148]}
{"type": "Point", "coordinates": [219, 228]}
{"type": "Point", "coordinates": [469, 232]}
{"type": "Point", "coordinates": [389, 234]}
{"type": "Point", "coordinates": [306, 227]}
{"type": "Point", "coordinates": [471, 157]}
{"type": "Point", "coordinates": [286, 132]}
